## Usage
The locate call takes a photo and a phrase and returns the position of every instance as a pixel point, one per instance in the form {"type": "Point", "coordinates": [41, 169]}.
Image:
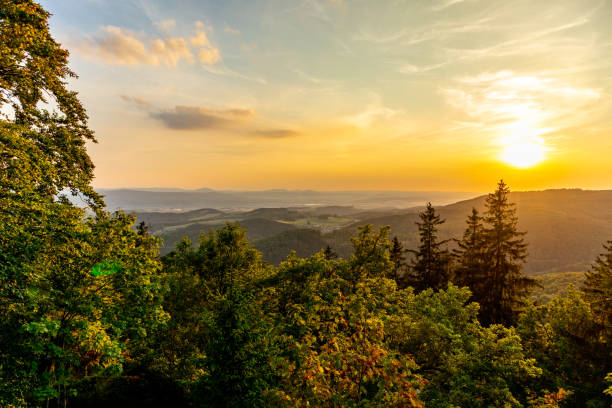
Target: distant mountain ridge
{"type": "Point", "coordinates": [565, 228]}
{"type": "Point", "coordinates": [147, 200]}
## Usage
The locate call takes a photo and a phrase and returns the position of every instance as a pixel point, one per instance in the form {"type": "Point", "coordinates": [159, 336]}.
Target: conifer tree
{"type": "Point", "coordinates": [399, 260]}
{"type": "Point", "coordinates": [469, 254]}
{"type": "Point", "coordinates": [329, 253]}
{"type": "Point", "coordinates": [598, 287]}
{"type": "Point", "coordinates": [505, 288]}
{"type": "Point", "coordinates": [142, 228]}
{"type": "Point", "coordinates": [431, 262]}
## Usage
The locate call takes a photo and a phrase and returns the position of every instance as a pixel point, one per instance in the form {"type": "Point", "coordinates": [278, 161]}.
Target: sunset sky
{"type": "Point", "coordinates": [344, 95]}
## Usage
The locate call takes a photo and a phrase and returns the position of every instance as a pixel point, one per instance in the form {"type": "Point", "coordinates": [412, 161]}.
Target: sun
{"type": "Point", "coordinates": [523, 153]}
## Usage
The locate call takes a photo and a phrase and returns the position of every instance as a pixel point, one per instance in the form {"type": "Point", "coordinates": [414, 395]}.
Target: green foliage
{"type": "Point", "coordinates": [501, 289]}
{"type": "Point", "coordinates": [556, 284]}
{"type": "Point", "coordinates": [398, 259]}
{"type": "Point", "coordinates": [331, 315]}
{"type": "Point", "coordinates": [106, 268]}
{"type": "Point", "coordinates": [64, 325]}
{"type": "Point", "coordinates": [60, 326]}
{"type": "Point", "coordinates": [598, 289]}
{"type": "Point", "coordinates": [218, 343]}
{"type": "Point", "coordinates": [431, 265]}
{"type": "Point", "coordinates": [33, 75]}
{"type": "Point", "coordinates": [469, 254]}
{"type": "Point", "coordinates": [564, 338]}
{"type": "Point", "coordinates": [465, 364]}
{"type": "Point", "coordinates": [370, 254]}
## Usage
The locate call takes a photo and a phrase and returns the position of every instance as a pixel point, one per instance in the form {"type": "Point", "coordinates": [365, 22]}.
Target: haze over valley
{"type": "Point", "coordinates": [278, 222]}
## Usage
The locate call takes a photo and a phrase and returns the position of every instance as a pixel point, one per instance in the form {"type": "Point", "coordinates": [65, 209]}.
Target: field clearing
{"type": "Point", "coordinates": [323, 223]}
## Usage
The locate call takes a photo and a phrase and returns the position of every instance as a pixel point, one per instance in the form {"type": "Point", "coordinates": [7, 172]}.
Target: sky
{"type": "Point", "coordinates": [344, 95]}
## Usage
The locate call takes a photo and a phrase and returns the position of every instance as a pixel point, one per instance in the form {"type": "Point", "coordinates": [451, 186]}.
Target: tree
{"type": "Point", "coordinates": [431, 261]}
{"type": "Point", "coordinates": [142, 228]}
{"type": "Point", "coordinates": [598, 289]}
{"type": "Point", "coordinates": [219, 341]}
{"type": "Point", "coordinates": [399, 260]}
{"type": "Point", "coordinates": [329, 253]}
{"type": "Point", "coordinates": [464, 363]}
{"type": "Point", "coordinates": [564, 336]}
{"type": "Point", "coordinates": [33, 75]}
{"type": "Point", "coordinates": [332, 316]}
{"type": "Point", "coordinates": [469, 256]}
{"type": "Point", "coordinates": [505, 289]}
{"type": "Point", "coordinates": [78, 293]}
{"type": "Point", "coordinates": [370, 254]}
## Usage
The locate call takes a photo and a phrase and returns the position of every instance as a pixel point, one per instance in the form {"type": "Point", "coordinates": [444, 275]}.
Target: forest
{"type": "Point", "coordinates": [91, 315]}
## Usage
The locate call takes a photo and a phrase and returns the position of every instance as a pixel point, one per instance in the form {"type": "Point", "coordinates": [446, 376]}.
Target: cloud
{"type": "Point", "coordinates": [207, 54]}
{"type": "Point", "coordinates": [231, 30]}
{"type": "Point", "coordinates": [165, 26]}
{"type": "Point", "coordinates": [509, 104]}
{"type": "Point", "coordinates": [135, 99]}
{"type": "Point", "coordinates": [275, 133]}
{"type": "Point", "coordinates": [220, 70]}
{"type": "Point", "coordinates": [170, 51]}
{"type": "Point", "coordinates": [197, 118]}
{"type": "Point", "coordinates": [414, 69]}
{"type": "Point", "coordinates": [230, 120]}
{"type": "Point", "coordinates": [200, 39]}
{"type": "Point", "coordinates": [373, 113]}
{"type": "Point", "coordinates": [118, 46]}
{"type": "Point", "coordinates": [445, 4]}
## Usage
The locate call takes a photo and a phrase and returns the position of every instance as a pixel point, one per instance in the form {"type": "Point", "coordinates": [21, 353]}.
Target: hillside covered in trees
{"type": "Point", "coordinates": [565, 227]}
{"type": "Point", "coordinates": [91, 315]}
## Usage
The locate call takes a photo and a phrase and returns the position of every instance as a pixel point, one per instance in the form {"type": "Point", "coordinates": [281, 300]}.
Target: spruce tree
{"type": "Point", "coordinates": [505, 289]}
{"type": "Point", "coordinates": [431, 261]}
{"type": "Point", "coordinates": [598, 287]}
{"type": "Point", "coordinates": [329, 253]}
{"type": "Point", "coordinates": [469, 255]}
{"type": "Point", "coordinates": [142, 228]}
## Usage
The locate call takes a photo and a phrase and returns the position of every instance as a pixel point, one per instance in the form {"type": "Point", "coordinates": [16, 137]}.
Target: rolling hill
{"type": "Point", "coordinates": [565, 228]}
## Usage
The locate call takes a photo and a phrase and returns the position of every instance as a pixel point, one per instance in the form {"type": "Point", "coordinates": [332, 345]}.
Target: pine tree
{"type": "Point", "coordinates": [431, 262]}
{"type": "Point", "coordinates": [142, 228]}
{"type": "Point", "coordinates": [598, 287]}
{"type": "Point", "coordinates": [399, 260]}
{"type": "Point", "coordinates": [505, 288]}
{"type": "Point", "coordinates": [329, 253]}
{"type": "Point", "coordinates": [469, 255]}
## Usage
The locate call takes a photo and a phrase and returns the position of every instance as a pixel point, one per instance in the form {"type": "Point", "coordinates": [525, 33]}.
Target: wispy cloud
{"type": "Point", "coordinates": [136, 100]}
{"type": "Point", "coordinates": [445, 4]}
{"type": "Point", "coordinates": [236, 121]}
{"type": "Point", "coordinates": [197, 118]}
{"type": "Point", "coordinates": [225, 71]}
{"type": "Point", "coordinates": [274, 133]}
{"type": "Point", "coordinates": [231, 30]}
{"type": "Point", "coordinates": [165, 26]}
{"type": "Point", "coordinates": [507, 104]}
{"type": "Point", "coordinates": [375, 112]}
